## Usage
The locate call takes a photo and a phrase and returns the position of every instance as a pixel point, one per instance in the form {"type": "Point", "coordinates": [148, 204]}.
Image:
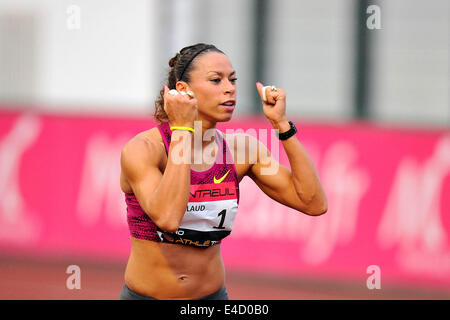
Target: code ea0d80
{"type": "Point", "coordinates": [246, 309]}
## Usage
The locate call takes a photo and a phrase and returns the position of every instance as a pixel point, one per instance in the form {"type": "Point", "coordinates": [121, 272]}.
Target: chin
{"type": "Point", "coordinates": [221, 116]}
{"type": "Point", "coordinates": [225, 118]}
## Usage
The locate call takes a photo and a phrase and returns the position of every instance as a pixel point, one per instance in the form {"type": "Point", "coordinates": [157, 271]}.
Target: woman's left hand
{"type": "Point", "coordinates": [274, 107]}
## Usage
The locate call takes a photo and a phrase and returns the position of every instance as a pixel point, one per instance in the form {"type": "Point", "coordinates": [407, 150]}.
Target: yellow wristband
{"type": "Point", "coordinates": [183, 128]}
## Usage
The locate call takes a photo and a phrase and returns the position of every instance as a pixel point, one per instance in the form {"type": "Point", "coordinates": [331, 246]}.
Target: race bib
{"type": "Point", "coordinates": [209, 215]}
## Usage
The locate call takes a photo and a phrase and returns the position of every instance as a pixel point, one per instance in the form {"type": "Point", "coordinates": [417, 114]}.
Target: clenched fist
{"type": "Point", "coordinates": [274, 107]}
{"type": "Point", "coordinates": [181, 109]}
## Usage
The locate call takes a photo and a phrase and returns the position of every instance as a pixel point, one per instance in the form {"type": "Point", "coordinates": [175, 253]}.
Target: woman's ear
{"type": "Point", "coordinates": [182, 86]}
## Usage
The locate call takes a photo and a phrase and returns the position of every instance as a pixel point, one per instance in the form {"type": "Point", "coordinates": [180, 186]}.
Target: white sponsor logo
{"type": "Point", "coordinates": [17, 222]}
{"type": "Point", "coordinates": [412, 216]}
{"type": "Point", "coordinates": [99, 191]}
{"type": "Point", "coordinates": [345, 183]}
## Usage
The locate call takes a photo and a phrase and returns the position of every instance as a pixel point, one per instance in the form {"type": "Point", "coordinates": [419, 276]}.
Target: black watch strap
{"type": "Point", "coordinates": [289, 133]}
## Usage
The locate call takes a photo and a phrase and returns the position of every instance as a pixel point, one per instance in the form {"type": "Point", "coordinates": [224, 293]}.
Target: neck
{"type": "Point", "coordinates": [205, 131]}
{"type": "Point", "coordinates": [204, 141]}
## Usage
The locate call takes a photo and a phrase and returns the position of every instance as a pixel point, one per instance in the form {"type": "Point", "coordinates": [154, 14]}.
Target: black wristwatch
{"type": "Point", "coordinates": [289, 133]}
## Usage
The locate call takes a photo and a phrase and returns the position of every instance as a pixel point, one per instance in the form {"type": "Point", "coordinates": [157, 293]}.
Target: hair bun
{"type": "Point", "coordinates": [173, 61]}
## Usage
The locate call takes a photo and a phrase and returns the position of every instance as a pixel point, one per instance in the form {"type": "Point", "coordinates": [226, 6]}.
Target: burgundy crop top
{"type": "Point", "coordinates": [212, 206]}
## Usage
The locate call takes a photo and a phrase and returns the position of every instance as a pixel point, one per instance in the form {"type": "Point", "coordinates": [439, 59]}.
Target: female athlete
{"type": "Point", "coordinates": [179, 208]}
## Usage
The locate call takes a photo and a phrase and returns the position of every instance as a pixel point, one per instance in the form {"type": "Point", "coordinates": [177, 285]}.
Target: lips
{"type": "Point", "coordinates": [229, 105]}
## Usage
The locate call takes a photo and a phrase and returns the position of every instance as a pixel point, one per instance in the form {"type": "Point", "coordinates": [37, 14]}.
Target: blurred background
{"type": "Point", "coordinates": [367, 85]}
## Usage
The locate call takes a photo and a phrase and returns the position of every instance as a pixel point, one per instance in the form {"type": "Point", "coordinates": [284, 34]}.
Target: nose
{"type": "Point", "coordinates": [230, 87]}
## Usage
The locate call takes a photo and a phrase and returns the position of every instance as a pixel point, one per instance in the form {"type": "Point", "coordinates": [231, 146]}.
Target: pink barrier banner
{"type": "Point", "coordinates": [388, 194]}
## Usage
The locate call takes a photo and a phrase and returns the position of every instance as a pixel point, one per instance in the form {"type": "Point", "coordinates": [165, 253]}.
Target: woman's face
{"type": "Point", "coordinates": [213, 81]}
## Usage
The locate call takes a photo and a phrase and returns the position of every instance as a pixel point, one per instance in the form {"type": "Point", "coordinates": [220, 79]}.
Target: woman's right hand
{"type": "Point", "coordinates": [180, 109]}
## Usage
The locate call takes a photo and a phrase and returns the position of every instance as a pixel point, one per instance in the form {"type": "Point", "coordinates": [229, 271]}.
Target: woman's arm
{"type": "Point", "coordinates": [300, 188]}
{"type": "Point", "coordinates": [163, 197]}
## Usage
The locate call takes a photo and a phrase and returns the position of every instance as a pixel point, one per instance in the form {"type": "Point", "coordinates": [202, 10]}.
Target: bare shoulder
{"type": "Point", "coordinates": [145, 148]}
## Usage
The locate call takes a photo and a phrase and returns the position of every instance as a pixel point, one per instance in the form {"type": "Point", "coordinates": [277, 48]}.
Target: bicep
{"type": "Point", "coordinates": [274, 179]}
{"type": "Point", "coordinates": [139, 166]}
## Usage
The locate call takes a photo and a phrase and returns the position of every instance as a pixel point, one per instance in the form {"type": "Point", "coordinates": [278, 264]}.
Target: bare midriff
{"type": "Point", "coordinates": [173, 271]}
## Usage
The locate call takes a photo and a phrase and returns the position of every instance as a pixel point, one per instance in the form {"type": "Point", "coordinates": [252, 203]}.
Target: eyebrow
{"type": "Point", "coordinates": [221, 73]}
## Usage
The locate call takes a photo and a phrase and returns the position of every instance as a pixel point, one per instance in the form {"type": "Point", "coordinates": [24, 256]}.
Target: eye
{"type": "Point", "coordinates": [233, 80]}
{"type": "Point", "coordinates": [217, 80]}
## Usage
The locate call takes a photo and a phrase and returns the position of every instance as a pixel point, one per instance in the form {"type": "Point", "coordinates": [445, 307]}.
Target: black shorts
{"type": "Point", "coordinates": [128, 294]}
